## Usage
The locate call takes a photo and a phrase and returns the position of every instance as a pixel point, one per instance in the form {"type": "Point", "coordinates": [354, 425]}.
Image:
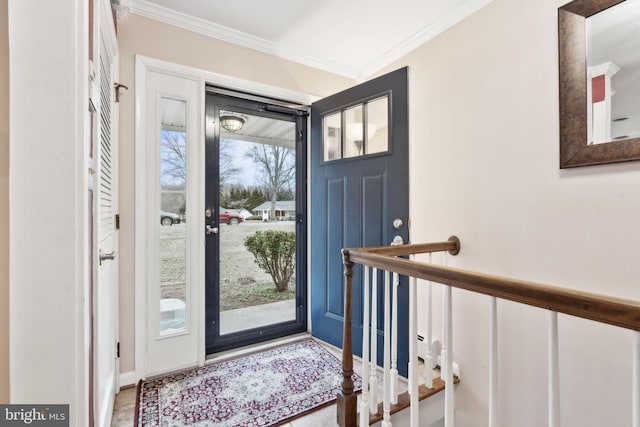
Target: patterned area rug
{"type": "Point", "coordinates": [263, 389]}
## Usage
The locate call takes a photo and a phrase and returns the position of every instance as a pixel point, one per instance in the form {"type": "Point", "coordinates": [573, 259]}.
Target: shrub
{"type": "Point", "coordinates": [275, 253]}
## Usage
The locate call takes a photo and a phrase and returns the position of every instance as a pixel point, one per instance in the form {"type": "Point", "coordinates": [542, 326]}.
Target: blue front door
{"type": "Point", "coordinates": [359, 186]}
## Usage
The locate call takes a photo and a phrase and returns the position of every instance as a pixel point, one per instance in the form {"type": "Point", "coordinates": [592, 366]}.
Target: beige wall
{"type": "Point", "coordinates": [141, 36]}
{"type": "Point", "coordinates": [484, 166]}
{"type": "Point", "coordinates": [4, 203]}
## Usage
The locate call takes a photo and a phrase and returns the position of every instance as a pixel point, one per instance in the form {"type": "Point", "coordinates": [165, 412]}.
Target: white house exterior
{"type": "Point", "coordinates": [285, 210]}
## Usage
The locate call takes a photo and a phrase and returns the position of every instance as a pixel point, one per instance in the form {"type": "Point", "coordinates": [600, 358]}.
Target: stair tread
{"type": "Point", "coordinates": [404, 400]}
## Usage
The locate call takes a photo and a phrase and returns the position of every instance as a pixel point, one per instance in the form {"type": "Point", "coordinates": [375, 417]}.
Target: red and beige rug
{"type": "Point", "coordinates": [263, 389]}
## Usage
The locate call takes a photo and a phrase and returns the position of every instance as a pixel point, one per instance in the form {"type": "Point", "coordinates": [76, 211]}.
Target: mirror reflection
{"type": "Point", "coordinates": [613, 73]}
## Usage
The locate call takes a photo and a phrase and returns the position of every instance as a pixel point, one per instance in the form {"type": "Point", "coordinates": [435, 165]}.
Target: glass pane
{"type": "Point", "coordinates": [173, 152]}
{"type": "Point", "coordinates": [172, 216]}
{"type": "Point", "coordinates": [354, 135]}
{"type": "Point", "coordinates": [377, 126]}
{"type": "Point", "coordinates": [332, 135]}
{"type": "Point", "coordinates": [257, 202]}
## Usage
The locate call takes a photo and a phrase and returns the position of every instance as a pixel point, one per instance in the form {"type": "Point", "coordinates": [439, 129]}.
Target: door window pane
{"type": "Point", "coordinates": [172, 216]}
{"type": "Point", "coordinates": [257, 177]}
{"type": "Point", "coordinates": [332, 136]}
{"type": "Point", "coordinates": [378, 126]}
{"type": "Point", "coordinates": [354, 135]}
{"type": "Point", "coordinates": [366, 130]}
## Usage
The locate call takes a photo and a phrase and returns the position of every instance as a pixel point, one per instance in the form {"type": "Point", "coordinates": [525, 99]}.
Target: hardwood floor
{"type": "Point", "coordinates": [123, 411]}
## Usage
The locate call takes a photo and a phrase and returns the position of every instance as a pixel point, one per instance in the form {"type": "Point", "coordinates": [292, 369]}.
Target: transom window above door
{"type": "Point", "coordinates": [356, 131]}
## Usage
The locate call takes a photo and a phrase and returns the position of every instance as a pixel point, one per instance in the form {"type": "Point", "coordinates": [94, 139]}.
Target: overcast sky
{"type": "Point", "coordinates": [249, 172]}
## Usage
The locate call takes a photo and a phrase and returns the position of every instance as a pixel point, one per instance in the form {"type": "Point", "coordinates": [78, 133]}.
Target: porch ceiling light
{"type": "Point", "coordinates": [231, 123]}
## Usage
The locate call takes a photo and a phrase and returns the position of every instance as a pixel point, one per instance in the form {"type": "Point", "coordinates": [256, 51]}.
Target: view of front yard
{"type": "Point", "coordinates": [242, 282]}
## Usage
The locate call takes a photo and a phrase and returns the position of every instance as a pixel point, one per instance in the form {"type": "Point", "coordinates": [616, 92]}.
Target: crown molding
{"type": "Point", "coordinates": [463, 11]}
{"type": "Point", "coordinates": [221, 32]}
{"type": "Point", "coordinates": [121, 8]}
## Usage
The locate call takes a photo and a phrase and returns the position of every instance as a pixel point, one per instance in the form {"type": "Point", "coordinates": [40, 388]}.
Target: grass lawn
{"type": "Point", "coordinates": [242, 282]}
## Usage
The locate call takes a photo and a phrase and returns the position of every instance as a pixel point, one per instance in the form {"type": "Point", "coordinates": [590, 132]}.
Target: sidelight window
{"type": "Point", "coordinates": [172, 215]}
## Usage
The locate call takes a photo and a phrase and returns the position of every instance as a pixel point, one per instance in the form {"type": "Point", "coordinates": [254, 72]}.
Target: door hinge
{"type": "Point", "coordinates": [117, 221]}
{"type": "Point", "coordinates": [118, 349]}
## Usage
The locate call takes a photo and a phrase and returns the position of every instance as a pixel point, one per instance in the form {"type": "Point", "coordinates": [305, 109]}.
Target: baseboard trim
{"type": "Point", "coordinates": [127, 379]}
{"type": "Point", "coordinates": [107, 404]}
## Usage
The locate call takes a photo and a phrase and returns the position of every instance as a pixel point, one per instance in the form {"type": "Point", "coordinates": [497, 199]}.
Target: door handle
{"type": "Point", "coordinates": [397, 240]}
{"type": "Point", "coordinates": [212, 230]}
{"type": "Point", "coordinates": [106, 257]}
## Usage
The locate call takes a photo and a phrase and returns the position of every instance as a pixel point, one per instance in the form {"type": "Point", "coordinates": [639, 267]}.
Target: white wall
{"type": "Point", "coordinates": [484, 166]}
{"type": "Point", "coordinates": [48, 204]}
{"type": "Point", "coordinates": [4, 203]}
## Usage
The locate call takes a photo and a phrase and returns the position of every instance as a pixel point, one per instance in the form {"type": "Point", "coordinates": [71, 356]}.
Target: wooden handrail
{"type": "Point", "coordinates": [619, 312]}
{"type": "Point", "coordinates": [452, 246]}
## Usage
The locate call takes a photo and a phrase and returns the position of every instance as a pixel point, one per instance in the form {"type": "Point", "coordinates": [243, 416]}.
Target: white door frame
{"type": "Point", "coordinates": [143, 66]}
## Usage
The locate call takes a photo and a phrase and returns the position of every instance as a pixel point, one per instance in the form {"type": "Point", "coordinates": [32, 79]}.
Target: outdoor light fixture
{"type": "Point", "coordinates": [232, 123]}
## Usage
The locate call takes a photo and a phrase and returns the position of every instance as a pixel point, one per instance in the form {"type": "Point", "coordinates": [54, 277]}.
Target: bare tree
{"type": "Point", "coordinates": [227, 168]}
{"type": "Point", "coordinates": [278, 170]}
{"type": "Point", "coordinates": [174, 158]}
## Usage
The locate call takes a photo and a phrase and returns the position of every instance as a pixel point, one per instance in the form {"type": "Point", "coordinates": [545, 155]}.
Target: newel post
{"type": "Point", "coordinates": [347, 400]}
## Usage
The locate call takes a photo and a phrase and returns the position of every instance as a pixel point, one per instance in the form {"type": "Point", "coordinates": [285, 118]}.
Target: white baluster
{"type": "Point", "coordinates": [413, 350]}
{"type": "Point", "coordinates": [373, 378]}
{"type": "Point", "coordinates": [635, 400]}
{"type": "Point", "coordinates": [394, 341]}
{"type": "Point", "coordinates": [493, 363]}
{"type": "Point", "coordinates": [444, 344]}
{"type": "Point", "coordinates": [430, 359]}
{"type": "Point", "coordinates": [447, 355]}
{"type": "Point", "coordinates": [386, 405]}
{"type": "Point", "coordinates": [364, 402]}
{"type": "Point", "coordinates": [554, 382]}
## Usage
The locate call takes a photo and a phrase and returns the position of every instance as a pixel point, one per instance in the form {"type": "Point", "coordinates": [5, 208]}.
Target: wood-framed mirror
{"type": "Point", "coordinates": [599, 95]}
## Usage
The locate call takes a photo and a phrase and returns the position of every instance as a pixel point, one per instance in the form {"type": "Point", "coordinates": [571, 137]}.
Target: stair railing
{"type": "Point", "coordinates": [392, 261]}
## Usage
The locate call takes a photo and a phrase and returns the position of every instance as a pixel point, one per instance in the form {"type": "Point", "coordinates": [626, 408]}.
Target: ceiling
{"type": "Point", "coordinates": [357, 38]}
{"type": "Point", "coordinates": [351, 38]}
{"type": "Point", "coordinates": [262, 130]}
